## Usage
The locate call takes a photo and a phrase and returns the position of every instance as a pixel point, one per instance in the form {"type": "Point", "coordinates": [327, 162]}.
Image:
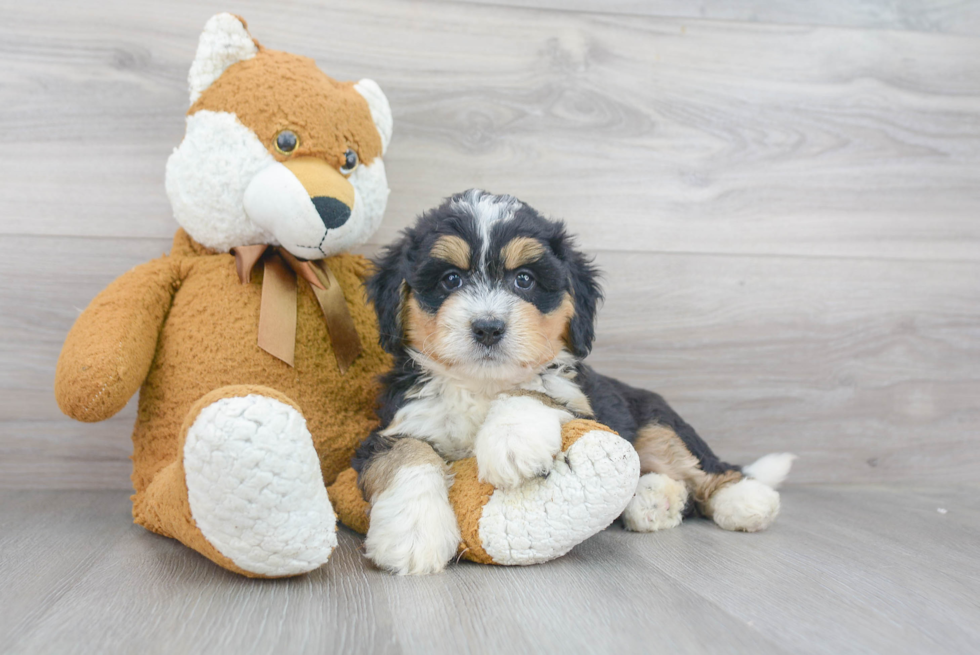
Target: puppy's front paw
{"type": "Point", "coordinates": [413, 529]}
{"type": "Point", "coordinates": [518, 441]}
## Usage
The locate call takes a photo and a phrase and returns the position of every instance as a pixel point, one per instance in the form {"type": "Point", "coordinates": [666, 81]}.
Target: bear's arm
{"type": "Point", "coordinates": [109, 349]}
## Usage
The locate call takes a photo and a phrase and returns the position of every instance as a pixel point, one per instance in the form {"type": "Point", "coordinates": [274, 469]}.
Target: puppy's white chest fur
{"type": "Point", "coordinates": [448, 412]}
{"type": "Point", "coordinates": [445, 414]}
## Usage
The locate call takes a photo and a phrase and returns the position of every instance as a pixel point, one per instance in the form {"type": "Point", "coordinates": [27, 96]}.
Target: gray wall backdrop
{"type": "Point", "coordinates": [785, 200]}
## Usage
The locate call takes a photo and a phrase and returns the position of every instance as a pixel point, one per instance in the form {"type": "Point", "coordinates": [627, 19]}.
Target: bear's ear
{"type": "Point", "coordinates": [380, 109]}
{"type": "Point", "coordinates": [224, 41]}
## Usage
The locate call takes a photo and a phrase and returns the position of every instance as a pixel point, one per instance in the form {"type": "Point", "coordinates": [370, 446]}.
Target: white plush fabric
{"type": "Point", "coordinates": [413, 529]}
{"type": "Point", "coordinates": [224, 42]}
{"type": "Point", "coordinates": [380, 109]}
{"type": "Point", "coordinates": [370, 200]}
{"type": "Point", "coordinates": [276, 201]}
{"type": "Point", "coordinates": [544, 518]}
{"type": "Point", "coordinates": [227, 190]}
{"type": "Point", "coordinates": [207, 176]}
{"type": "Point", "coordinates": [255, 487]}
{"type": "Point", "coordinates": [658, 504]}
{"type": "Point", "coordinates": [221, 172]}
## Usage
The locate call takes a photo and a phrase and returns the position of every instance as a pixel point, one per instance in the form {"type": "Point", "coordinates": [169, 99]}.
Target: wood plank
{"type": "Point", "coordinates": [151, 594]}
{"type": "Point", "coordinates": [687, 136]}
{"type": "Point", "coordinates": [47, 542]}
{"type": "Point", "coordinates": [866, 369]}
{"type": "Point", "coordinates": [844, 569]}
{"type": "Point", "coordinates": [921, 15]}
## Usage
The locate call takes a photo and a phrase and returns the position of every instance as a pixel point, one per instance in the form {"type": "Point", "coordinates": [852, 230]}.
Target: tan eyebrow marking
{"type": "Point", "coordinates": [521, 251]}
{"type": "Point", "coordinates": [452, 249]}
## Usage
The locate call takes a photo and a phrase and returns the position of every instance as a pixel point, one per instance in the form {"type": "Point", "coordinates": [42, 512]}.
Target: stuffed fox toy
{"type": "Point", "coordinates": [254, 348]}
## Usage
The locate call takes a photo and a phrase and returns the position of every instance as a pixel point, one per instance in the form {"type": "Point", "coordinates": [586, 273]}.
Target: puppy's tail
{"type": "Point", "coordinates": [770, 469]}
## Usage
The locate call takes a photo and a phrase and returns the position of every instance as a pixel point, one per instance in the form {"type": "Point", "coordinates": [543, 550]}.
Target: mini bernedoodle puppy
{"type": "Point", "coordinates": [489, 311]}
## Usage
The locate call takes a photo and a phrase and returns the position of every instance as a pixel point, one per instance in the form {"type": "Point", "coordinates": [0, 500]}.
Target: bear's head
{"type": "Point", "coordinates": [276, 152]}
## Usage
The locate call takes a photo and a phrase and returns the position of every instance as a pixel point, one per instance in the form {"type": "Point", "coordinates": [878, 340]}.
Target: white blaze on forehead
{"type": "Point", "coordinates": [487, 210]}
{"type": "Point", "coordinates": [483, 300]}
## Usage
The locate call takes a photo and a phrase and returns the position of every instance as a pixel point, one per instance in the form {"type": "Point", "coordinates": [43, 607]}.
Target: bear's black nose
{"type": "Point", "coordinates": [488, 331]}
{"type": "Point", "coordinates": [332, 212]}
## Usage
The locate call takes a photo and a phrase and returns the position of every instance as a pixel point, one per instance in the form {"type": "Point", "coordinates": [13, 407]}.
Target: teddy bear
{"type": "Point", "coordinates": [255, 350]}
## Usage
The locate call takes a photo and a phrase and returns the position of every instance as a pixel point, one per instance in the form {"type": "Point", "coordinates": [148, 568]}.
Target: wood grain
{"type": "Point", "coordinates": [688, 136]}
{"type": "Point", "coordinates": [868, 375]}
{"type": "Point", "coordinates": [916, 15]}
{"type": "Point", "coordinates": [844, 569]}
{"type": "Point", "coordinates": [786, 213]}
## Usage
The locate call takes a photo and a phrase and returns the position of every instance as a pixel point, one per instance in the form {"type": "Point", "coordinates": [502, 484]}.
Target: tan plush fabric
{"type": "Point", "coordinates": [165, 504]}
{"type": "Point", "coordinates": [186, 325]}
{"type": "Point", "coordinates": [347, 500]}
{"type": "Point", "coordinates": [467, 495]}
{"type": "Point", "coordinates": [104, 362]}
{"type": "Point", "coordinates": [254, 90]}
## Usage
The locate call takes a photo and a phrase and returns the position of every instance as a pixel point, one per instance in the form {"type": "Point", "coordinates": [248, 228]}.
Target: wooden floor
{"type": "Point", "coordinates": [846, 569]}
{"type": "Point", "coordinates": [784, 197]}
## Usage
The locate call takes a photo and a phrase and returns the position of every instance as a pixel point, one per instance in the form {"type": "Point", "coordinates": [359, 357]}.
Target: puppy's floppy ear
{"type": "Point", "coordinates": [386, 289]}
{"type": "Point", "coordinates": [586, 292]}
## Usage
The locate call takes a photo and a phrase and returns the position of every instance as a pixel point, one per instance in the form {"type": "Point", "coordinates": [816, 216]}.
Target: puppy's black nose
{"type": "Point", "coordinates": [332, 212]}
{"type": "Point", "coordinates": [488, 331]}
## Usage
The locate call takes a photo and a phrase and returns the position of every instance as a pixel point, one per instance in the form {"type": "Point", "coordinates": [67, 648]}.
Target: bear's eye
{"type": "Point", "coordinates": [286, 141]}
{"type": "Point", "coordinates": [350, 162]}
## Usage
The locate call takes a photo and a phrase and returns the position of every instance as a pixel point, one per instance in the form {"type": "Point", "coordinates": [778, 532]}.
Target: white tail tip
{"type": "Point", "coordinates": [770, 469]}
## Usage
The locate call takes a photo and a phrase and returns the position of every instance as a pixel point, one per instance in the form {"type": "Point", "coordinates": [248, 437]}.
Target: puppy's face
{"type": "Point", "coordinates": [485, 285]}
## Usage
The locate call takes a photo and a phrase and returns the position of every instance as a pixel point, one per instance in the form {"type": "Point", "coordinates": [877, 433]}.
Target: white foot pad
{"type": "Point", "coordinates": [547, 517]}
{"type": "Point", "coordinates": [658, 504]}
{"type": "Point", "coordinates": [748, 505]}
{"type": "Point", "coordinates": [255, 487]}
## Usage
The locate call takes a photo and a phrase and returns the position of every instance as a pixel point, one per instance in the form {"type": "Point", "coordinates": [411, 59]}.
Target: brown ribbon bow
{"type": "Point", "coordinates": [277, 313]}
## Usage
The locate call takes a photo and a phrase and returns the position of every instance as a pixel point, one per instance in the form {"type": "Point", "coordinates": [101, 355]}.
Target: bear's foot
{"type": "Point", "coordinates": [590, 484]}
{"type": "Point", "coordinates": [592, 481]}
{"type": "Point", "coordinates": [248, 492]}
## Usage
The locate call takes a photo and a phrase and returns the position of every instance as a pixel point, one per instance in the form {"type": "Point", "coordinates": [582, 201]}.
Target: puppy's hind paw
{"type": "Point", "coordinates": [746, 506]}
{"type": "Point", "coordinates": [658, 504]}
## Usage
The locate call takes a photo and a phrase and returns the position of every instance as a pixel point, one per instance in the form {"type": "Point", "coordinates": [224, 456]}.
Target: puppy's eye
{"type": "Point", "coordinates": [524, 280]}
{"type": "Point", "coordinates": [350, 162]}
{"type": "Point", "coordinates": [451, 281]}
{"type": "Point", "coordinates": [286, 141]}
